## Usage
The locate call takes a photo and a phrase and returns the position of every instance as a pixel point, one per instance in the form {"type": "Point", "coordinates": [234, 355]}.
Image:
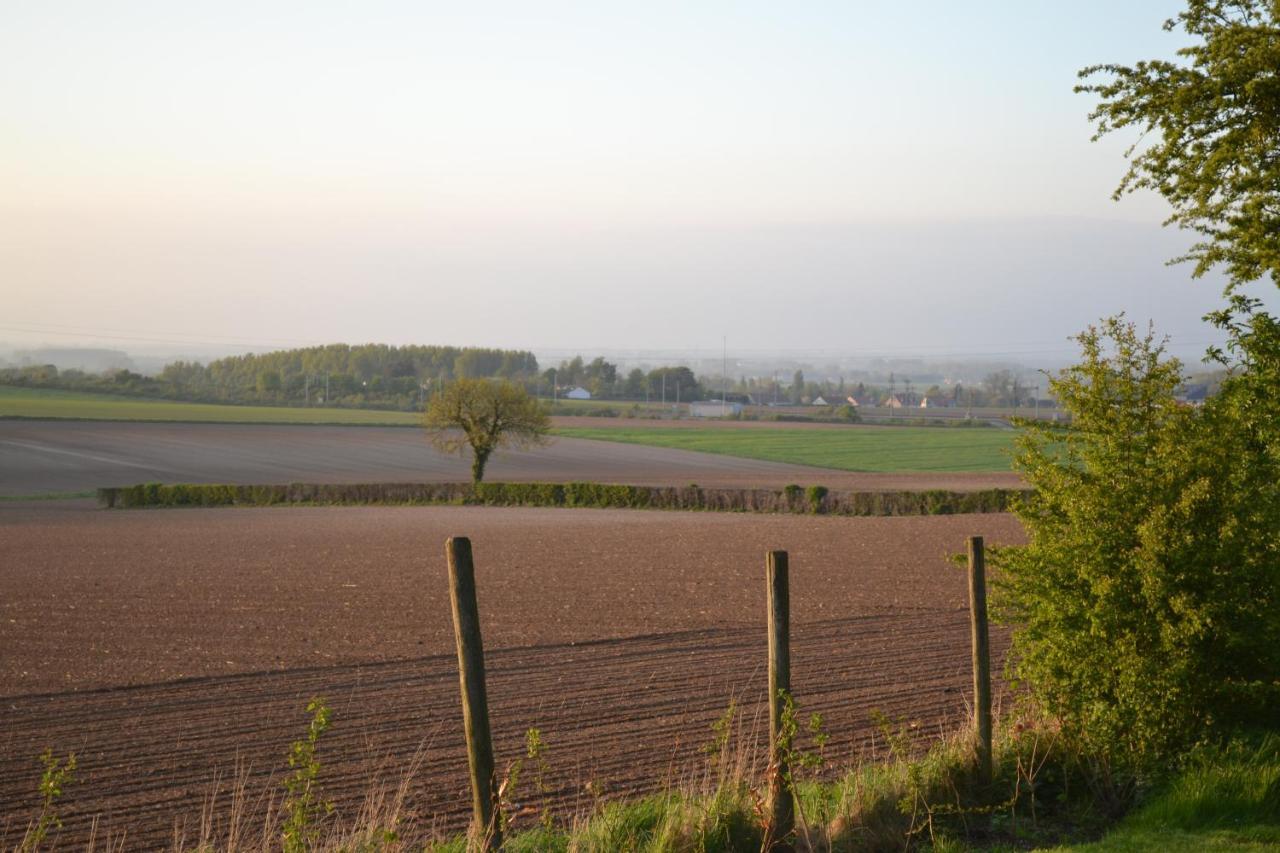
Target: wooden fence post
{"type": "Point", "coordinates": [981, 656]}
{"type": "Point", "coordinates": [781, 805]}
{"type": "Point", "coordinates": [486, 832]}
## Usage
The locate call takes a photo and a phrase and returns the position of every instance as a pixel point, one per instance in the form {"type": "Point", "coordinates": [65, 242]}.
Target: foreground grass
{"type": "Point", "coordinates": [862, 448]}
{"type": "Point", "coordinates": [1042, 793]}
{"type": "Point", "coordinates": [38, 403]}
{"type": "Point", "coordinates": [1227, 799]}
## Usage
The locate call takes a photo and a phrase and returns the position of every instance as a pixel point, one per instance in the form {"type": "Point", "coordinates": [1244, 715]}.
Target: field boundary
{"type": "Point", "coordinates": [793, 499]}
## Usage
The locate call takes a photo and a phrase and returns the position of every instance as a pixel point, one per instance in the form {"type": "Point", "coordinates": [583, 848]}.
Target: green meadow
{"type": "Point", "coordinates": [855, 448]}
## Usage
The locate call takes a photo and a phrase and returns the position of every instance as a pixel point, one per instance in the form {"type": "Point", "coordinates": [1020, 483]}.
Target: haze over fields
{"type": "Point", "coordinates": [913, 180]}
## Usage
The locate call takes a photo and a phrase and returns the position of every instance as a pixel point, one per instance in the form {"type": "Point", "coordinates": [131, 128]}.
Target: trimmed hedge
{"type": "Point", "coordinates": [792, 499]}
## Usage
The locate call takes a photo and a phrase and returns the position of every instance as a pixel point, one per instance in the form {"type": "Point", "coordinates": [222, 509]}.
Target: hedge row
{"type": "Point", "coordinates": [792, 499]}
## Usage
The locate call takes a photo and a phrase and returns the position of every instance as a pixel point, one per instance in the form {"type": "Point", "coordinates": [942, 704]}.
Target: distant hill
{"type": "Point", "coordinates": [75, 358]}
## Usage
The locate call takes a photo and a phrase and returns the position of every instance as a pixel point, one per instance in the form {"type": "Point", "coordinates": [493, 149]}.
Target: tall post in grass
{"type": "Point", "coordinates": [475, 702]}
{"type": "Point", "coordinates": [981, 656]}
{"type": "Point", "coordinates": [781, 806]}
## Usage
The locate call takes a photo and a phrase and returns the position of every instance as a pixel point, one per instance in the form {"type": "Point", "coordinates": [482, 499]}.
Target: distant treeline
{"type": "Point", "coordinates": [375, 375]}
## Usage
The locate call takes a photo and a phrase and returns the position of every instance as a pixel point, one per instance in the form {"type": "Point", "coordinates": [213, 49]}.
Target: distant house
{"type": "Point", "coordinates": [578, 393]}
{"type": "Point", "coordinates": [937, 403]}
{"type": "Point", "coordinates": [902, 401]}
{"type": "Point", "coordinates": [853, 401]}
{"type": "Point", "coordinates": [714, 409]}
{"type": "Point", "coordinates": [819, 401]}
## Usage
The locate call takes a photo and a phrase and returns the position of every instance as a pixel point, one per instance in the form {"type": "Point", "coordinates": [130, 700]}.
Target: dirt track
{"type": "Point", "coordinates": [39, 457]}
{"type": "Point", "coordinates": [621, 635]}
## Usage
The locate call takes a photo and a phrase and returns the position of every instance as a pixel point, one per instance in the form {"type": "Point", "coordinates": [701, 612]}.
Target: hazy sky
{"type": "Point", "coordinates": [857, 176]}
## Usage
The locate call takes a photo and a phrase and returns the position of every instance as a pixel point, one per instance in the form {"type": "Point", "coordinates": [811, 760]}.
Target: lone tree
{"type": "Point", "coordinates": [485, 416]}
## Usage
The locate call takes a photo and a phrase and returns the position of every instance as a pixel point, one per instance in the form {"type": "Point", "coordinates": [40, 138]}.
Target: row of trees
{"type": "Point", "coordinates": [336, 374]}
{"type": "Point", "coordinates": [605, 381]}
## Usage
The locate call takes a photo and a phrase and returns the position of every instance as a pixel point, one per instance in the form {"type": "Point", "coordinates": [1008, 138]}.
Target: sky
{"type": "Point", "coordinates": [854, 177]}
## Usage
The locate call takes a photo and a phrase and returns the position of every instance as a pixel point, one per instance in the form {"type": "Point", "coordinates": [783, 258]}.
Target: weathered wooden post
{"type": "Point", "coordinates": [486, 833]}
{"type": "Point", "coordinates": [781, 805]}
{"type": "Point", "coordinates": [981, 656]}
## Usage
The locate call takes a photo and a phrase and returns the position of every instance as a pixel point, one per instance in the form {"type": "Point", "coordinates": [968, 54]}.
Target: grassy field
{"type": "Point", "coordinates": [39, 403]}
{"type": "Point", "coordinates": [877, 449]}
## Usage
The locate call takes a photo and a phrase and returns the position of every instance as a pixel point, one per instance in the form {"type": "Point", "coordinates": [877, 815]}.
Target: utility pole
{"type": "Point", "coordinates": [664, 388]}
{"type": "Point", "coordinates": [724, 374]}
{"type": "Point", "coordinates": [326, 389]}
{"type": "Point", "coordinates": [892, 381]}
{"type": "Point", "coordinates": [306, 384]}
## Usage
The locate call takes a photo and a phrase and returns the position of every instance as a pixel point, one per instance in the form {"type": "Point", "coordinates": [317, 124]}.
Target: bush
{"type": "Point", "coordinates": [1146, 605]}
{"type": "Point", "coordinates": [817, 495]}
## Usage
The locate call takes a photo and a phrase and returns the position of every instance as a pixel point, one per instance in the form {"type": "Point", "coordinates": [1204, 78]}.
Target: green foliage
{"type": "Point", "coordinates": [850, 414]}
{"type": "Point", "coordinates": [576, 495]}
{"type": "Point", "coordinates": [302, 807]}
{"type": "Point", "coordinates": [816, 496]}
{"type": "Point", "coordinates": [535, 752]}
{"type": "Point", "coordinates": [1146, 606]}
{"type": "Point", "coordinates": [56, 774]}
{"type": "Point", "coordinates": [1213, 118]}
{"type": "Point", "coordinates": [485, 416]}
{"type": "Point", "coordinates": [353, 376]}
{"type": "Point", "coordinates": [1225, 798]}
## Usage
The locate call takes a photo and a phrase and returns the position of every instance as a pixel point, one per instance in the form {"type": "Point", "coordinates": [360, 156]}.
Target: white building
{"type": "Point", "coordinates": [578, 393]}
{"type": "Point", "coordinates": [714, 409]}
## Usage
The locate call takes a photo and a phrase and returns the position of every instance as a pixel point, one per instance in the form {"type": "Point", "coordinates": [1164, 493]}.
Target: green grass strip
{"type": "Point", "coordinates": [855, 448]}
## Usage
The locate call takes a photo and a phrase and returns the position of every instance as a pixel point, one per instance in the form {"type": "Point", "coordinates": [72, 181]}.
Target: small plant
{"type": "Point", "coordinates": [57, 773]}
{"type": "Point", "coordinates": [535, 756]}
{"type": "Point", "coordinates": [535, 752]}
{"type": "Point", "coordinates": [301, 806]}
{"type": "Point", "coordinates": [717, 749]}
{"type": "Point", "coordinates": [792, 492]}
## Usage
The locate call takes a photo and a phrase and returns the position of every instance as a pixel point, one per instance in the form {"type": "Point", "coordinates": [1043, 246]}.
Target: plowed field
{"type": "Point", "coordinates": [169, 648]}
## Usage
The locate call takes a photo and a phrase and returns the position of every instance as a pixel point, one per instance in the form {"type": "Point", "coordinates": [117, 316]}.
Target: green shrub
{"type": "Point", "coordinates": [817, 495]}
{"type": "Point", "coordinates": [1146, 606]}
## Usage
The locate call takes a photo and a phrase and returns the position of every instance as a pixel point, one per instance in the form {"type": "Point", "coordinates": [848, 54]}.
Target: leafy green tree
{"type": "Point", "coordinates": [1214, 118]}
{"type": "Point", "coordinates": [681, 384]}
{"type": "Point", "coordinates": [484, 415]}
{"type": "Point", "coordinates": [634, 387]}
{"type": "Point", "coordinates": [797, 387]}
{"type": "Point", "coordinates": [1146, 605]}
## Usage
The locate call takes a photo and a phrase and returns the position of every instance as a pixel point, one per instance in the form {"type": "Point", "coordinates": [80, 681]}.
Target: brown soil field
{"type": "Point", "coordinates": [39, 457]}
{"type": "Point", "coordinates": [166, 648]}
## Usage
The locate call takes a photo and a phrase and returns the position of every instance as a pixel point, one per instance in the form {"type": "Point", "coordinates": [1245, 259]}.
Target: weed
{"type": "Point", "coordinates": [301, 806]}
{"type": "Point", "coordinates": [57, 774]}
